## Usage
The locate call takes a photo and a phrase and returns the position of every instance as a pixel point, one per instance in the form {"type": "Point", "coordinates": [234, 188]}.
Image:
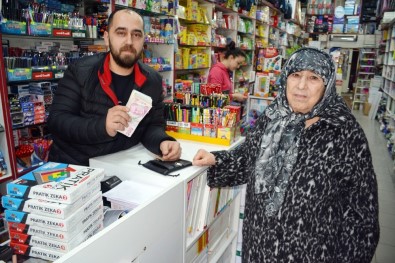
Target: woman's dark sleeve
{"type": "Point", "coordinates": [360, 223]}
{"type": "Point", "coordinates": [235, 166]}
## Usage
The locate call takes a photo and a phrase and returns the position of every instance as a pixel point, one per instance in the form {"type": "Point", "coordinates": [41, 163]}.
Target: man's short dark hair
{"type": "Point", "coordinates": [111, 17]}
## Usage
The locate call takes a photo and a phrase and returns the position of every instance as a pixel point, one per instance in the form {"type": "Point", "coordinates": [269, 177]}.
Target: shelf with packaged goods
{"type": "Point", "coordinates": [6, 137]}
{"type": "Point", "coordinates": [261, 34]}
{"type": "Point", "coordinates": [366, 71]}
{"type": "Point", "coordinates": [194, 39]}
{"type": "Point", "coordinates": [281, 37]}
{"type": "Point", "coordinates": [44, 38]}
{"type": "Point", "coordinates": [34, 72]}
{"type": "Point", "coordinates": [190, 69]}
{"type": "Point", "coordinates": [245, 40]}
{"type": "Point", "coordinates": [144, 11]}
{"type": "Point", "coordinates": [5, 171]}
{"type": "Point", "coordinates": [160, 56]}
{"type": "Point", "coordinates": [224, 21]}
{"type": "Point", "coordinates": [388, 74]}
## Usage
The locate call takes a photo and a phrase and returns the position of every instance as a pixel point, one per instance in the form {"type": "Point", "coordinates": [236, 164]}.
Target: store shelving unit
{"type": "Point", "coordinates": [366, 71]}
{"type": "Point", "coordinates": [245, 40]}
{"type": "Point", "coordinates": [388, 73]}
{"type": "Point", "coordinates": [6, 138]}
{"type": "Point", "coordinates": [193, 52]}
{"type": "Point", "coordinates": [12, 116]}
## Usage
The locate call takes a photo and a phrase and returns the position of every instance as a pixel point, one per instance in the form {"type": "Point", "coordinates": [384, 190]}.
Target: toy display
{"type": "Point", "coordinates": [272, 60]}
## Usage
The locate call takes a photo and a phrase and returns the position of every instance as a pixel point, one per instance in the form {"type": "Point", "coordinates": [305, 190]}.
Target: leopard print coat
{"type": "Point", "coordinates": [330, 209]}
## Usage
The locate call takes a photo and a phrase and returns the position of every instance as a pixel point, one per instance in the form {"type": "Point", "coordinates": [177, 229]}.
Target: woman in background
{"type": "Point", "coordinates": [221, 71]}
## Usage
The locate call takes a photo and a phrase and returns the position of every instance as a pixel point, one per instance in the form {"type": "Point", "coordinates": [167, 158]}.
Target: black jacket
{"type": "Point", "coordinates": [78, 113]}
{"type": "Point", "coordinates": [330, 208]}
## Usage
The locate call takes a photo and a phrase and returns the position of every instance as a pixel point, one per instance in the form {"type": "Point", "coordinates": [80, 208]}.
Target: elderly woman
{"type": "Point", "coordinates": [311, 187]}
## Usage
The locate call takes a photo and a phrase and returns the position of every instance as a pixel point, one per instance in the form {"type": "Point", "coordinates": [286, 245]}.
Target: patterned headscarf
{"type": "Point", "coordinates": [281, 137]}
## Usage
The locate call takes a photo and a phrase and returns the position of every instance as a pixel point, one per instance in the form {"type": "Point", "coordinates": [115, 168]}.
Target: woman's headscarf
{"type": "Point", "coordinates": [281, 137]}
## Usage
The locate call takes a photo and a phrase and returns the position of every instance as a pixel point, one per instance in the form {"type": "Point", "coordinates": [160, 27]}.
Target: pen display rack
{"type": "Point", "coordinates": [204, 124]}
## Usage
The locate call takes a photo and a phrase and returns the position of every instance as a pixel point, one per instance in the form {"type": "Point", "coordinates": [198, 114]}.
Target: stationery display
{"type": "Point", "coordinates": [53, 209]}
{"type": "Point", "coordinates": [67, 191]}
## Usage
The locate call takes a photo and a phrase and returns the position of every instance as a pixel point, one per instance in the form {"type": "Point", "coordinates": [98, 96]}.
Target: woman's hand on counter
{"type": "Point", "coordinates": [203, 158]}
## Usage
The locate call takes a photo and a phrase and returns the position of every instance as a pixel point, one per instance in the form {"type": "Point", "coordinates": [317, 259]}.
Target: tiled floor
{"type": "Point", "coordinates": [383, 166]}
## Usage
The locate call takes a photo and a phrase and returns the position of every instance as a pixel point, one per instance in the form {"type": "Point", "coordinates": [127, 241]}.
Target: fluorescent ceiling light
{"type": "Point", "coordinates": [343, 38]}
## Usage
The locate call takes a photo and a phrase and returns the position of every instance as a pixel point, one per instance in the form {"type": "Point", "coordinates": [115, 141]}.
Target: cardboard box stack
{"type": "Point", "coordinates": [53, 209]}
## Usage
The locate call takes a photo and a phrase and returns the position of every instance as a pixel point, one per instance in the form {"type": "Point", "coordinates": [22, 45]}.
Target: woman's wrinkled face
{"type": "Point", "coordinates": [304, 90]}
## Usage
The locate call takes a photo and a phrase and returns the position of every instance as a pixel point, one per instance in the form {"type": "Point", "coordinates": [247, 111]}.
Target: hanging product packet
{"type": "Point", "coordinates": [139, 105]}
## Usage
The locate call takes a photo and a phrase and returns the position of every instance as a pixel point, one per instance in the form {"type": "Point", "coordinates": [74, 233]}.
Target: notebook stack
{"type": "Point", "coordinates": [53, 209]}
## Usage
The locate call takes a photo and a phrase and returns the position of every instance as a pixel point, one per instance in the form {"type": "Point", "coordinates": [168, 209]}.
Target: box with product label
{"type": "Point", "coordinates": [48, 233]}
{"type": "Point", "coordinates": [13, 27]}
{"type": "Point", "coordinates": [37, 252]}
{"type": "Point", "coordinates": [61, 32]}
{"type": "Point", "coordinates": [40, 29]}
{"type": "Point", "coordinates": [46, 208]}
{"type": "Point", "coordinates": [55, 182]}
{"type": "Point", "coordinates": [122, 2]}
{"type": "Point", "coordinates": [338, 20]}
{"type": "Point", "coordinates": [229, 133]}
{"type": "Point", "coordinates": [78, 219]}
{"type": "Point", "coordinates": [186, 58]}
{"type": "Point", "coordinates": [353, 20]}
{"type": "Point", "coordinates": [209, 130]}
{"type": "Point", "coordinates": [262, 85]}
{"type": "Point", "coordinates": [225, 132]}
{"type": "Point", "coordinates": [257, 107]}
{"type": "Point", "coordinates": [197, 129]}
{"type": "Point", "coordinates": [42, 75]}
{"type": "Point", "coordinates": [18, 74]}
{"type": "Point", "coordinates": [54, 245]}
{"type": "Point", "coordinates": [210, 135]}
{"type": "Point", "coordinates": [235, 109]}
{"type": "Point", "coordinates": [337, 28]}
{"type": "Point", "coordinates": [351, 28]}
{"type": "Point", "coordinates": [184, 127]}
{"type": "Point", "coordinates": [78, 33]}
{"type": "Point", "coordinates": [3, 165]}
{"type": "Point", "coordinates": [272, 60]}
{"type": "Point", "coordinates": [172, 126]}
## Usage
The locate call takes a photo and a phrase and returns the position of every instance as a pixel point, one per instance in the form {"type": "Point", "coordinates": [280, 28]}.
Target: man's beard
{"type": "Point", "coordinates": [127, 61]}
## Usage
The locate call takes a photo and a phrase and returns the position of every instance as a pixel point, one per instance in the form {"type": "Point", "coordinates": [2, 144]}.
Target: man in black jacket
{"type": "Point", "coordinates": [89, 108]}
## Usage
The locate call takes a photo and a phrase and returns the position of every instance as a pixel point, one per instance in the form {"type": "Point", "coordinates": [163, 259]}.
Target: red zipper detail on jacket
{"type": "Point", "coordinates": [106, 78]}
{"type": "Point", "coordinates": [139, 78]}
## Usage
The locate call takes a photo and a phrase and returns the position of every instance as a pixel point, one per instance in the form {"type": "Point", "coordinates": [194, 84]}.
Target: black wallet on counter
{"type": "Point", "coordinates": [166, 167]}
